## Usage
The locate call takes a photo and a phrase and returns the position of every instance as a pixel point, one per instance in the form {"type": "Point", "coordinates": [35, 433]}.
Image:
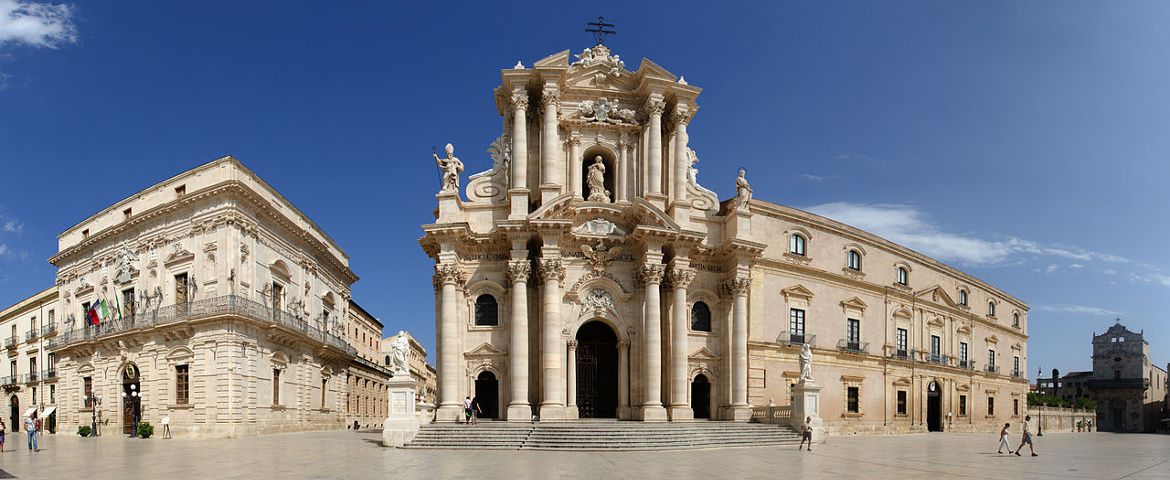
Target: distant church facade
{"type": "Point", "coordinates": [588, 274]}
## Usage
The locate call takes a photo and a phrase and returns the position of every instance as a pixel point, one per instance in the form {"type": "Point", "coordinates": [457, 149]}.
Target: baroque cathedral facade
{"type": "Point", "coordinates": [587, 274]}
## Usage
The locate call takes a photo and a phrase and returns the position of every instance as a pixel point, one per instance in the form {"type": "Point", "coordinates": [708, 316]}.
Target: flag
{"type": "Point", "coordinates": [95, 314]}
{"type": "Point", "coordinates": [118, 307]}
{"type": "Point", "coordinates": [91, 315]}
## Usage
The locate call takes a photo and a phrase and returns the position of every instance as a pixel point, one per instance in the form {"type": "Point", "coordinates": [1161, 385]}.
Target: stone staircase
{"type": "Point", "coordinates": [603, 435]}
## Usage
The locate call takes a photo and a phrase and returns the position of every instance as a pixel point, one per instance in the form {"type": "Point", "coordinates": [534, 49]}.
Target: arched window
{"type": "Point", "coordinates": [1016, 319]}
{"type": "Point", "coordinates": [903, 276]}
{"type": "Point", "coordinates": [487, 311]}
{"type": "Point", "coordinates": [796, 244]}
{"type": "Point", "coordinates": [962, 297]}
{"type": "Point", "coordinates": [701, 317]}
{"type": "Point", "coordinates": [855, 260]}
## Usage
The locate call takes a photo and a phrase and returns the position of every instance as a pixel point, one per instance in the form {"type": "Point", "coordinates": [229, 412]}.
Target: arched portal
{"type": "Point", "coordinates": [701, 396]}
{"type": "Point", "coordinates": [131, 399]}
{"type": "Point", "coordinates": [597, 371]}
{"type": "Point", "coordinates": [933, 407]}
{"type": "Point", "coordinates": [487, 393]}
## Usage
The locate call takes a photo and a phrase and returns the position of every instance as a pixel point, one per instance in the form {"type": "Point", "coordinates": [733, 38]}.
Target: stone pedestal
{"type": "Point", "coordinates": [653, 413]}
{"type": "Point", "coordinates": [402, 424]}
{"type": "Point", "coordinates": [806, 403]}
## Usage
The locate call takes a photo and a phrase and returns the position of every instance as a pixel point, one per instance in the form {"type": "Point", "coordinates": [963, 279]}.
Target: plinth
{"type": "Point", "coordinates": [402, 424]}
{"type": "Point", "coordinates": [806, 400]}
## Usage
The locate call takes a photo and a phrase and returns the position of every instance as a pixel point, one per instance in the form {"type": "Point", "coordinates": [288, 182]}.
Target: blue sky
{"type": "Point", "coordinates": [1023, 142]}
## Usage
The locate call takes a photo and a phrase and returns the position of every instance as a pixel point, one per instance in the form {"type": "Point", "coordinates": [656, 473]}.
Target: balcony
{"type": "Point", "coordinates": [797, 339]}
{"type": "Point", "coordinates": [939, 359]}
{"type": "Point", "coordinates": [11, 342]}
{"type": "Point", "coordinates": [31, 335]}
{"type": "Point", "coordinates": [992, 369]}
{"type": "Point", "coordinates": [966, 364]}
{"type": "Point", "coordinates": [9, 381]}
{"type": "Point", "coordinates": [29, 378]}
{"type": "Point", "coordinates": [1017, 373]}
{"type": "Point", "coordinates": [852, 347]}
{"type": "Point", "coordinates": [227, 305]}
{"type": "Point", "coordinates": [49, 330]}
{"type": "Point", "coordinates": [901, 354]}
{"type": "Point", "coordinates": [50, 374]}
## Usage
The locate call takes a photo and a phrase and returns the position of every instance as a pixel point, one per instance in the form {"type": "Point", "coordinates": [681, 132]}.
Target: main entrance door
{"type": "Point", "coordinates": [597, 372]}
{"type": "Point", "coordinates": [487, 391]}
{"type": "Point", "coordinates": [131, 399]}
{"type": "Point", "coordinates": [933, 408]}
{"type": "Point", "coordinates": [701, 396]}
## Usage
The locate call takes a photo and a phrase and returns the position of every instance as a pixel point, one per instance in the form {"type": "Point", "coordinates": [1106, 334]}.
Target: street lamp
{"type": "Point", "coordinates": [1040, 408]}
{"type": "Point", "coordinates": [94, 402]}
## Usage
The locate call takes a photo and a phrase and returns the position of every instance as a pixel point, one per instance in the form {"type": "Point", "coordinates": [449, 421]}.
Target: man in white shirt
{"type": "Point", "coordinates": [1027, 437]}
{"type": "Point", "coordinates": [30, 426]}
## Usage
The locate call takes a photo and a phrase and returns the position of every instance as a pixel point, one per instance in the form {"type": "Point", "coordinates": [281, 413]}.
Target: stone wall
{"type": "Point", "coordinates": [1053, 419]}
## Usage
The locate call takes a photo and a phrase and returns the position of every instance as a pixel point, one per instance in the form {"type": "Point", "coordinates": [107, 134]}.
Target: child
{"type": "Point", "coordinates": [1003, 439]}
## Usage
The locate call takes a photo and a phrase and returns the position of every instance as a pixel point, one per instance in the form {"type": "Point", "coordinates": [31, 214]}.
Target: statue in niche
{"type": "Point", "coordinates": [743, 190]}
{"type": "Point", "coordinates": [805, 363]}
{"type": "Point", "coordinates": [597, 191]}
{"type": "Point", "coordinates": [124, 266]}
{"type": "Point", "coordinates": [451, 168]}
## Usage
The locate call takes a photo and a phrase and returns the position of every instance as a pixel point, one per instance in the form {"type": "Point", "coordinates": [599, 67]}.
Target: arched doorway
{"type": "Point", "coordinates": [933, 407]}
{"type": "Point", "coordinates": [131, 399]}
{"type": "Point", "coordinates": [14, 414]}
{"type": "Point", "coordinates": [487, 391]}
{"type": "Point", "coordinates": [701, 396]}
{"type": "Point", "coordinates": [597, 372]}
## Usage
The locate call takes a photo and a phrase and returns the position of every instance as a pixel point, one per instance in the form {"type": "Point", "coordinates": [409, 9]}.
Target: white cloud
{"type": "Point", "coordinates": [1079, 310]}
{"type": "Point", "coordinates": [36, 24]}
{"type": "Point", "coordinates": [13, 226]}
{"type": "Point", "coordinates": [1076, 265]}
{"type": "Point", "coordinates": [3, 249]}
{"type": "Point", "coordinates": [815, 178]}
{"type": "Point", "coordinates": [1052, 268]}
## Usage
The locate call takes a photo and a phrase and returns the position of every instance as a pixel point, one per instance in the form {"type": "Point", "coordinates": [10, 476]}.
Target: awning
{"type": "Point", "coordinates": [48, 411]}
{"type": "Point", "coordinates": [30, 411]}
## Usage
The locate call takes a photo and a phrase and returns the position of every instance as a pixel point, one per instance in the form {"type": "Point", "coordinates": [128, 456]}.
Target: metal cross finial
{"type": "Point", "coordinates": [600, 29]}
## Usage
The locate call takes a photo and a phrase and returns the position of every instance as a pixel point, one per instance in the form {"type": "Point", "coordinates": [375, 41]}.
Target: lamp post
{"type": "Point", "coordinates": [1040, 408]}
{"type": "Point", "coordinates": [94, 402]}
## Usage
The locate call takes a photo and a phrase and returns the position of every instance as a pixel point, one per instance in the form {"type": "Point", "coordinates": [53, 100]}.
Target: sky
{"type": "Point", "coordinates": [1022, 142]}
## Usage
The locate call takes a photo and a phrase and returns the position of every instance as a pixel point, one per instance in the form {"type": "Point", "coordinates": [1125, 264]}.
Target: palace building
{"type": "Point", "coordinates": [588, 274]}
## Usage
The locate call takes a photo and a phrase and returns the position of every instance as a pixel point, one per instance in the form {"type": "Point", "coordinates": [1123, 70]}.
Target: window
{"type": "Point", "coordinates": [902, 342]}
{"type": "Point", "coordinates": [487, 311]}
{"type": "Point", "coordinates": [52, 394]}
{"type": "Point", "coordinates": [1016, 365]}
{"type": "Point", "coordinates": [962, 405]}
{"type": "Point", "coordinates": [963, 354]}
{"type": "Point", "coordinates": [127, 213]}
{"type": "Point", "coordinates": [796, 324]}
{"type": "Point", "coordinates": [855, 260]}
{"type": "Point", "coordinates": [128, 302]}
{"type": "Point", "coordinates": [991, 406]}
{"type": "Point", "coordinates": [852, 402]}
{"type": "Point", "coordinates": [180, 190]}
{"type": "Point", "coordinates": [991, 309]}
{"type": "Point", "coordinates": [962, 297]}
{"type": "Point", "coordinates": [1117, 374]}
{"type": "Point", "coordinates": [52, 317]}
{"type": "Point", "coordinates": [276, 386]}
{"type": "Point", "coordinates": [85, 233]}
{"type": "Point", "coordinates": [182, 385]}
{"type": "Point", "coordinates": [1015, 407]}
{"type": "Point", "coordinates": [701, 317]}
{"type": "Point", "coordinates": [87, 387]}
{"type": "Point", "coordinates": [181, 288]}
{"type": "Point", "coordinates": [324, 388]}
{"type": "Point", "coordinates": [1016, 320]}
{"type": "Point", "coordinates": [854, 334]}
{"type": "Point", "coordinates": [991, 360]}
{"type": "Point", "coordinates": [901, 402]}
{"type": "Point", "coordinates": [796, 244]}
{"type": "Point", "coordinates": [903, 276]}
{"type": "Point", "coordinates": [935, 348]}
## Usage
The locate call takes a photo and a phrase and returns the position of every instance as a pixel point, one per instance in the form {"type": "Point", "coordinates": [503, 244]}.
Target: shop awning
{"type": "Point", "coordinates": [30, 411]}
{"type": "Point", "coordinates": [48, 411]}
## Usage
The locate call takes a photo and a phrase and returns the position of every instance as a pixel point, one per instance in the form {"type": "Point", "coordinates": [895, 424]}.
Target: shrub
{"type": "Point", "coordinates": [83, 430]}
{"type": "Point", "coordinates": [145, 430]}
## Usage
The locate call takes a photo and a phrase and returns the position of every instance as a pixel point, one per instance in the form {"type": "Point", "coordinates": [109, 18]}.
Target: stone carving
{"type": "Point", "coordinates": [400, 347]}
{"type": "Point", "coordinates": [519, 270]}
{"type": "Point", "coordinates": [550, 96]}
{"type": "Point", "coordinates": [598, 226]}
{"type": "Point", "coordinates": [552, 269]}
{"type": "Point", "coordinates": [596, 181]}
{"type": "Point", "coordinates": [451, 168]}
{"type": "Point", "coordinates": [743, 191]}
{"type": "Point", "coordinates": [600, 257]}
{"type": "Point", "coordinates": [599, 55]}
{"type": "Point", "coordinates": [805, 363]}
{"type": "Point", "coordinates": [520, 99]}
{"type": "Point", "coordinates": [598, 299]}
{"type": "Point", "coordinates": [738, 285]}
{"type": "Point", "coordinates": [492, 184]}
{"type": "Point", "coordinates": [651, 274]}
{"type": "Point", "coordinates": [604, 110]}
{"type": "Point", "coordinates": [449, 273]}
{"type": "Point", "coordinates": [681, 277]}
{"type": "Point", "coordinates": [655, 107]}
{"type": "Point", "coordinates": [702, 198]}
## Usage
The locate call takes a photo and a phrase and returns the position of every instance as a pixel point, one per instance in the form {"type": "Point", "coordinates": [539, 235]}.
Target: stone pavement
{"type": "Point", "coordinates": [357, 456]}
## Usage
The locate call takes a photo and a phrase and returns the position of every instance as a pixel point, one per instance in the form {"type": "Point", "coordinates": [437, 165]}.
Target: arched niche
{"type": "Point", "coordinates": [609, 160]}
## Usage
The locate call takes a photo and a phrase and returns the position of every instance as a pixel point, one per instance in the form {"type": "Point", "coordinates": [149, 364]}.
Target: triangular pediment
{"type": "Point", "coordinates": [651, 69]}
{"type": "Point", "coordinates": [854, 303]}
{"type": "Point", "coordinates": [484, 349]}
{"type": "Point", "coordinates": [936, 294]}
{"type": "Point", "coordinates": [797, 291]}
{"type": "Point", "coordinates": [703, 354]}
{"type": "Point", "coordinates": [556, 60]}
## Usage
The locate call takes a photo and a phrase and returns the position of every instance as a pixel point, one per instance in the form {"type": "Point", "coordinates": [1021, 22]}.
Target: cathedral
{"type": "Point", "coordinates": [588, 274]}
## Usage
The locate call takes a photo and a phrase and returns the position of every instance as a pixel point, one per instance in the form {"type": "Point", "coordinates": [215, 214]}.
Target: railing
{"type": "Point", "coordinates": [28, 377]}
{"type": "Point", "coordinates": [49, 374]}
{"type": "Point", "coordinates": [967, 364]}
{"type": "Point", "coordinates": [30, 335]}
{"type": "Point", "coordinates": [797, 339]}
{"type": "Point", "coordinates": [856, 347]}
{"type": "Point", "coordinates": [992, 369]}
{"type": "Point", "coordinates": [775, 414]}
{"type": "Point", "coordinates": [901, 354]}
{"type": "Point", "coordinates": [939, 359]}
{"type": "Point", "coordinates": [49, 330]}
{"type": "Point", "coordinates": [223, 305]}
{"type": "Point", "coordinates": [1017, 373]}
{"type": "Point", "coordinates": [11, 342]}
{"type": "Point", "coordinates": [9, 381]}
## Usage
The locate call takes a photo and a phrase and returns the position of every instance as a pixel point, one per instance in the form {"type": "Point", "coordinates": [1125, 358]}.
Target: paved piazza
{"type": "Point", "coordinates": [356, 456]}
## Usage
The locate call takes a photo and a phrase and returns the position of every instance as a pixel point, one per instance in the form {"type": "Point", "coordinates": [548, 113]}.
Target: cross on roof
{"type": "Point", "coordinates": [600, 29]}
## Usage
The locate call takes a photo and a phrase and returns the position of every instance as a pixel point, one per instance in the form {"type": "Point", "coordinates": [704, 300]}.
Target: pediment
{"type": "Point", "coordinates": [180, 254]}
{"type": "Point", "coordinates": [556, 60]}
{"type": "Point", "coordinates": [625, 216]}
{"type": "Point", "coordinates": [992, 339]}
{"type": "Point", "coordinates": [1017, 346]}
{"type": "Point", "coordinates": [963, 330]}
{"type": "Point", "coordinates": [703, 354]}
{"type": "Point", "coordinates": [854, 303]}
{"type": "Point", "coordinates": [483, 350]}
{"type": "Point", "coordinates": [938, 295]}
{"type": "Point", "coordinates": [962, 387]}
{"type": "Point", "coordinates": [597, 78]}
{"type": "Point", "coordinates": [797, 291]}
{"type": "Point", "coordinates": [936, 322]}
{"type": "Point", "coordinates": [650, 69]}
{"type": "Point", "coordinates": [903, 382]}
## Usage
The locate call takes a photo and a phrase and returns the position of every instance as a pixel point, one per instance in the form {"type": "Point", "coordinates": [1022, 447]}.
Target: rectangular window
{"type": "Point", "coordinates": [128, 302]}
{"type": "Point", "coordinates": [796, 325]}
{"type": "Point", "coordinates": [182, 385]}
{"type": "Point", "coordinates": [854, 334]}
{"type": "Point", "coordinates": [277, 295]}
{"type": "Point", "coordinates": [324, 389]}
{"type": "Point", "coordinates": [87, 387]}
{"type": "Point", "coordinates": [181, 288]}
{"type": "Point", "coordinates": [276, 386]}
{"type": "Point", "coordinates": [853, 404]}
{"type": "Point", "coordinates": [903, 277]}
{"type": "Point", "coordinates": [963, 353]}
{"type": "Point", "coordinates": [1016, 365]}
{"type": "Point", "coordinates": [180, 191]}
{"type": "Point", "coordinates": [52, 394]}
{"type": "Point", "coordinates": [991, 360]}
{"type": "Point", "coordinates": [127, 213]}
{"type": "Point", "coordinates": [901, 402]}
{"type": "Point", "coordinates": [902, 342]}
{"type": "Point", "coordinates": [1016, 407]}
{"type": "Point", "coordinates": [52, 317]}
{"type": "Point", "coordinates": [991, 406]}
{"type": "Point", "coordinates": [962, 405]}
{"type": "Point", "coordinates": [935, 348]}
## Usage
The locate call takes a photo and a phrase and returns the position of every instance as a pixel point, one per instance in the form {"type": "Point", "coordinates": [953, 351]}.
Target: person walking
{"type": "Point", "coordinates": [467, 410]}
{"type": "Point", "coordinates": [806, 434]}
{"type": "Point", "coordinates": [3, 430]}
{"type": "Point", "coordinates": [475, 410]}
{"type": "Point", "coordinates": [1003, 439]}
{"type": "Point", "coordinates": [30, 426]}
{"type": "Point", "coordinates": [166, 424]}
{"type": "Point", "coordinates": [1027, 438]}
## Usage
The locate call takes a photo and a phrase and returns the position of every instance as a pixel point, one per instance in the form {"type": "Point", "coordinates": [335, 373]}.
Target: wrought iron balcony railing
{"type": "Point", "coordinates": [208, 307]}
{"type": "Point", "coordinates": [8, 381]}
{"type": "Point", "coordinates": [11, 342]}
{"type": "Point", "coordinates": [49, 374]}
{"type": "Point", "coordinates": [49, 330]}
{"type": "Point", "coordinates": [855, 347]}
{"type": "Point", "coordinates": [28, 378]}
{"type": "Point", "coordinates": [1017, 373]}
{"type": "Point", "coordinates": [992, 369]}
{"type": "Point", "coordinates": [967, 364]}
{"type": "Point", "coordinates": [797, 339]}
{"type": "Point", "coordinates": [31, 335]}
{"type": "Point", "coordinates": [902, 354]}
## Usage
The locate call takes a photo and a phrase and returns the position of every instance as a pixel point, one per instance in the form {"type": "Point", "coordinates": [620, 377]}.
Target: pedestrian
{"type": "Point", "coordinates": [467, 410]}
{"type": "Point", "coordinates": [1027, 438]}
{"type": "Point", "coordinates": [3, 430]}
{"type": "Point", "coordinates": [30, 426]}
{"type": "Point", "coordinates": [475, 410]}
{"type": "Point", "coordinates": [166, 424]}
{"type": "Point", "coordinates": [806, 434]}
{"type": "Point", "coordinates": [1003, 439]}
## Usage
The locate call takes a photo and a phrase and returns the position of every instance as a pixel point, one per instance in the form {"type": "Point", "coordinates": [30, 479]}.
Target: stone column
{"type": "Point", "coordinates": [518, 193]}
{"type": "Point", "coordinates": [680, 277]}
{"type": "Point", "coordinates": [622, 169]}
{"type": "Point", "coordinates": [450, 277]}
{"type": "Point", "coordinates": [740, 409]}
{"type": "Point", "coordinates": [552, 405]}
{"type": "Point", "coordinates": [623, 380]}
{"type": "Point", "coordinates": [682, 161]}
{"type": "Point", "coordinates": [551, 177]}
{"type": "Point", "coordinates": [652, 410]}
{"type": "Point", "coordinates": [575, 166]}
{"type": "Point", "coordinates": [518, 408]}
{"type": "Point", "coordinates": [655, 108]}
{"type": "Point", "coordinates": [571, 401]}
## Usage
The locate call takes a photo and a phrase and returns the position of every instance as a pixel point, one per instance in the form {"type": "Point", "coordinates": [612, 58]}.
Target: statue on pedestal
{"type": "Point", "coordinates": [805, 363]}
{"type": "Point", "coordinates": [743, 191]}
{"type": "Point", "coordinates": [597, 191]}
{"type": "Point", "coordinates": [400, 347]}
{"type": "Point", "coordinates": [451, 168]}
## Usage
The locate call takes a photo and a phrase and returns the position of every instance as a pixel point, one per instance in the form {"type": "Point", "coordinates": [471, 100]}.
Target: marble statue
{"type": "Point", "coordinates": [597, 191]}
{"type": "Point", "coordinates": [743, 190]}
{"type": "Point", "coordinates": [400, 347]}
{"type": "Point", "coordinates": [805, 363]}
{"type": "Point", "coordinates": [451, 168]}
{"type": "Point", "coordinates": [123, 266]}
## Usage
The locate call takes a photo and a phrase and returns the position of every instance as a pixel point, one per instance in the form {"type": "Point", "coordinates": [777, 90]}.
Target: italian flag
{"type": "Point", "coordinates": [97, 313]}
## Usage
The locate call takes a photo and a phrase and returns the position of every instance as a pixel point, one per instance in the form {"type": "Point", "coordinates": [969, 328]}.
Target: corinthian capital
{"type": "Point", "coordinates": [655, 107]}
{"type": "Point", "coordinates": [651, 274]}
{"type": "Point", "coordinates": [449, 273]}
{"type": "Point", "coordinates": [519, 270]}
{"type": "Point", "coordinates": [550, 96]}
{"type": "Point", "coordinates": [519, 99]}
{"type": "Point", "coordinates": [681, 277]}
{"type": "Point", "coordinates": [683, 114]}
{"type": "Point", "coordinates": [552, 269]}
{"type": "Point", "coordinates": [737, 285]}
